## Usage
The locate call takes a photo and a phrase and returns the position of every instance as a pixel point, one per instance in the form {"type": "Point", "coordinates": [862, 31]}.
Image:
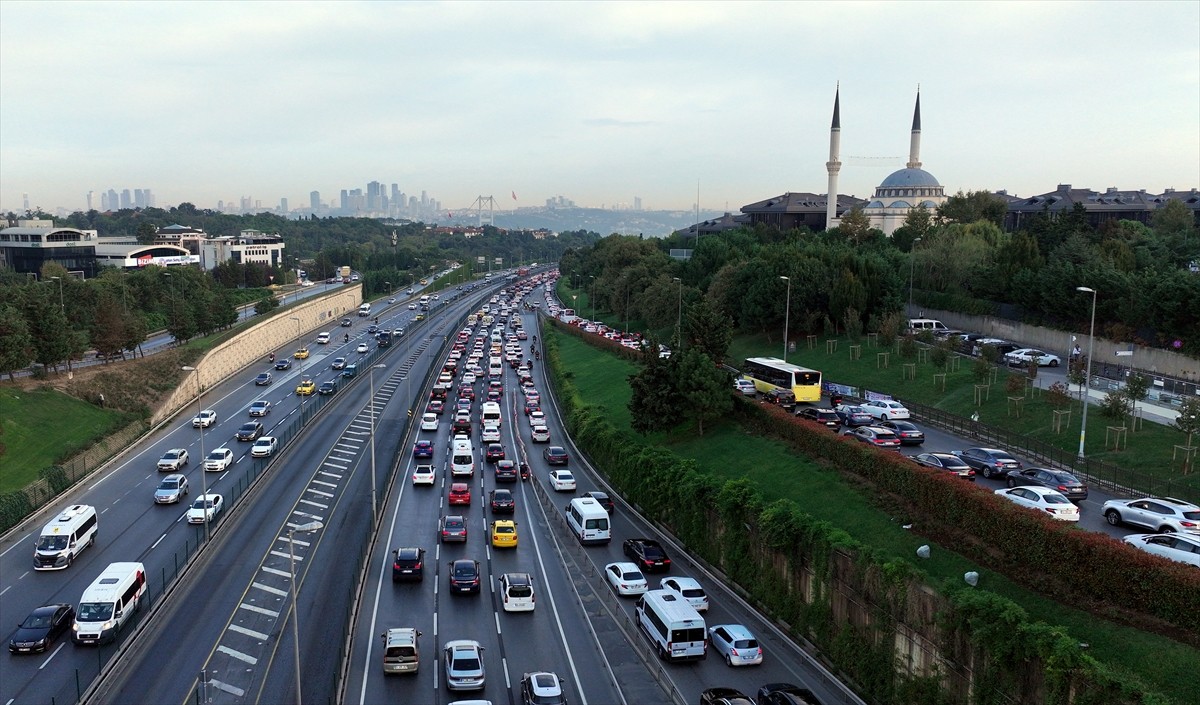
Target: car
{"type": "Point", "coordinates": [625, 578]}
{"type": "Point", "coordinates": [250, 431]}
{"type": "Point", "coordinates": [301, 354]}
{"type": "Point", "coordinates": [463, 660]}
{"type": "Point", "coordinates": [452, 527]}
{"type": "Point", "coordinates": [372, 329]}
{"type": "Point", "coordinates": [688, 590]}
{"type": "Point", "coordinates": [419, 317]}
{"type": "Point", "coordinates": [724, 696]}
{"type": "Point", "coordinates": [283, 363]}
{"type": "Point", "coordinates": [173, 460]}
{"type": "Point", "coordinates": [989, 462]}
{"type": "Point", "coordinates": [338, 363]}
{"type": "Point", "coordinates": [328, 387]}
{"type": "Point", "coordinates": [884, 409]}
{"type": "Point", "coordinates": [542, 688]}
{"type": "Point", "coordinates": [502, 502]}
{"type": "Point", "coordinates": [264, 447]}
{"type": "Point", "coordinates": [532, 406]}
{"type": "Point", "coordinates": [1184, 548]}
{"type": "Point", "coordinates": [735, 644]}
{"type": "Point", "coordinates": [204, 419]}
{"type": "Point", "coordinates": [495, 452]}
{"type": "Point", "coordinates": [464, 576]}
{"type": "Point", "coordinates": [205, 508]}
{"type": "Point", "coordinates": [562, 481]}
{"type": "Point", "coordinates": [412, 307]}
{"type": "Point", "coordinates": [262, 407]}
{"type": "Point", "coordinates": [948, 462]}
{"type": "Point", "coordinates": [490, 434]}
{"type": "Point", "coordinates": [555, 455]}
{"type": "Point", "coordinates": [540, 434]}
{"type": "Point", "coordinates": [602, 499]}
{"type": "Point", "coordinates": [350, 371]}
{"type": "Point", "coordinates": [1060, 480]}
{"type": "Point", "coordinates": [362, 349]}
{"type": "Point", "coordinates": [1042, 499]}
{"type": "Point", "coordinates": [522, 335]}
{"type": "Point", "coordinates": [875, 436]}
{"type": "Point", "coordinates": [783, 398]}
{"type": "Point", "coordinates": [648, 554]}
{"type": "Point", "coordinates": [853, 415]}
{"type": "Point", "coordinates": [537, 418]}
{"type": "Point", "coordinates": [460, 493]}
{"type": "Point", "coordinates": [423, 475]}
{"type": "Point", "coordinates": [1161, 514]}
{"type": "Point", "coordinates": [263, 379]}
{"type": "Point", "coordinates": [172, 489]}
{"type": "Point", "coordinates": [786, 694]}
{"type": "Point", "coordinates": [38, 631]}
{"type": "Point", "coordinates": [506, 471]}
{"type": "Point", "coordinates": [745, 386]}
{"type": "Point", "coordinates": [907, 431]}
{"type": "Point", "coordinates": [423, 449]}
{"type": "Point", "coordinates": [408, 564]}
{"type": "Point", "coordinates": [827, 417]}
{"type": "Point", "coordinates": [429, 422]}
{"type": "Point", "coordinates": [346, 323]}
{"type": "Point", "coordinates": [468, 378]}
{"type": "Point", "coordinates": [1022, 357]}
{"type": "Point", "coordinates": [306, 388]}
{"type": "Point", "coordinates": [516, 592]}
{"type": "Point", "coordinates": [504, 533]}
{"type": "Point", "coordinates": [218, 460]}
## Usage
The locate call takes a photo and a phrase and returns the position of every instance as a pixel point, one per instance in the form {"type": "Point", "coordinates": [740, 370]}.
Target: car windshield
{"type": "Point", "coordinates": [216, 455]}
{"type": "Point", "coordinates": [94, 611]}
{"type": "Point", "coordinates": [202, 504]}
{"type": "Point", "coordinates": [52, 543]}
{"type": "Point", "coordinates": [1194, 516]}
{"type": "Point", "coordinates": [464, 571]}
{"type": "Point", "coordinates": [169, 484]}
{"type": "Point", "coordinates": [36, 621]}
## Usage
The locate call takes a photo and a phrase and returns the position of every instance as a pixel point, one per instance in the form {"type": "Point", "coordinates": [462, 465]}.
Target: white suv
{"type": "Point", "coordinates": [1162, 514]}
{"type": "Point", "coordinates": [491, 434]}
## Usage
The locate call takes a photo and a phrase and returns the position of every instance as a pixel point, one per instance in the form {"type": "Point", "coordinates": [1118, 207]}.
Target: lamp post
{"type": "Point", "coordinates": [912, 260]}
{"type": "Point", "coordinates": [297, 320]}
{"type": "Point", "coordinates": [203, 472]}
{"type": "Point", "coordinates": [61, 304]}
{"type": "Point", "coordinates": [679, 316]}
{"type": "Point", "coordinates": [374, 509]}
{"type": "Point", "coordinates": [592, 294]}
{"type": "Point", "coordinates": [1087, 377]}
{"type": "Point", "coordinates": [573, 297]}
{"type": "Point", "coordinates": [787, 314]}
{"type": "Point", "coordinates": [303, 528]}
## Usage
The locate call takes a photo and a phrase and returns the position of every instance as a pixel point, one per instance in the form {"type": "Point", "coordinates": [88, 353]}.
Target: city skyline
{"type": "Point", "coordinates": [604, 103]}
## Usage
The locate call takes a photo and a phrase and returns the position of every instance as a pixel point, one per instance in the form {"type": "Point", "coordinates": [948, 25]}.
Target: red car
{"type": "Point", "coordinates": [437, 406]}
{"type": "Point", "coordinates": [460, 493]}
{"type": "Point", "coordinates": [532, 406]}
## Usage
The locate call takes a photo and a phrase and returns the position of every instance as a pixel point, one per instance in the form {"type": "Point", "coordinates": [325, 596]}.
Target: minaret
{"type": "Point", "coordinates": [914, 143]}
{"type": "Point", "coordinates": [833, 166]}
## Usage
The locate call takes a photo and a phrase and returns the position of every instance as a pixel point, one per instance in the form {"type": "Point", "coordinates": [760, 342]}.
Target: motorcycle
{"type": "Point", "coordinates": [524, 472]}
{"type": "Point", "coordinates": [347, 337]}
{"type": "Point", "coordinates": [271, 358]}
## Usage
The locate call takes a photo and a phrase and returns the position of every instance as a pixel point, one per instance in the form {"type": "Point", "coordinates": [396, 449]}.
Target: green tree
{"type": "Point", "coordinates": [16, 344]}
{"type": "Point", "coordinates": [855, 226]}
{"type": "Point", "coordinates": [917, 224]}
{"type": "Point", "coordinates": [145, 233]}
{"type": "Point", "coordinates": [703, 387]}
{"type": "Point", "coordinates": [52, 337]}
{"type": "Point", "coordinates": [136, 330]}
{"type": "Point", "coordinates": [1137, 388]}
{"type": "Point", "coordinates": [654, 405]}
{"type": "Point", "coordinates": [266, 304]}
{"type": "Point", "coordinates": [709, 329]}
{"type": "Point", "coordinates": [972, 207]}
{"type": "Point", "coordinates": [1189, 423]}
{"type": "Point", "coordinates": [108, 328]}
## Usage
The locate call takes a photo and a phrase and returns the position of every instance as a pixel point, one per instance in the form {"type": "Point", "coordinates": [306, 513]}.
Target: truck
{"type": "Point", "coordinates": [523, 271]}
{"type": "Point", "coordinates": [344, 273]}
{"type": "Point", "coordinates": [384, 338]}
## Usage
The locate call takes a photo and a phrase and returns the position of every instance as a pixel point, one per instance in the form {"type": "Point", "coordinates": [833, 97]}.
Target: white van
{"type": "Point", "coordinates": [490, 415]}
{"type": "Point", "coordinates": [462, 459]}
{"type": "Point", "coordinates": [65, 537]}
{"type": "Point", "coordinates": [108, 603]}
{"type": "Point", "coordinates": [676, 630]}
{"type": "Point", "coordinates": [916, 325]}
{"type": "Point", "coordinates": [323, 338]}
{"type": "Point", "coordinates": [495, 367]}
{"type": "Point", "coordinates": [588, 521]}
{"type": "Point", "coordinates": [364, 310]}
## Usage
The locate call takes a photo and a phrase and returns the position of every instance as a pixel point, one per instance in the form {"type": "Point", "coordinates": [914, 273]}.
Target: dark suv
{"type": "Point", "coordinates": [464, 575]}
{"type": "Point", "coordinates": [408, 564]}
{"type": "Point", "coordinates": [506, 471]}
{"type": "Point", "coordinates": [782, 397]}
{"type": "Point", "coordinates": [648, 554]}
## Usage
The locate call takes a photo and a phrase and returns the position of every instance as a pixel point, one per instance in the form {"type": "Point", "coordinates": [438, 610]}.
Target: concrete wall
{"type": "Point", "coordinates": [251, 347]}
{"type": "Point", "coordinates": [1152, 360]}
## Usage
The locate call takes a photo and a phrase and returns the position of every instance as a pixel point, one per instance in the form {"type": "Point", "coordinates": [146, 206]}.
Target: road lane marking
{"type": "Point", "coordinates": [260, 610]}
{"type": "Point", "coordinates": [60, 648]}
{"type": "Point", "coordinates": [324, 483]}
{"type": "Point", "coordinates": [231, 689]}
{"type": "Point", "coordinates": [268, 588]}
{"type": "Point", "coordinates": [276, 571]}
{"type": "Point", "coordinates": [155, 544]}
{"type": "Point", "coordinates": [281, 554]}
{"type": "Point", "coordinates": [248, 632]}
{"type": "Point", "coordinates": [318, 492]}
{"type": "Point", "coordinates": [247, 658]}
{"type": "Point", "coordinates": [315, 504]}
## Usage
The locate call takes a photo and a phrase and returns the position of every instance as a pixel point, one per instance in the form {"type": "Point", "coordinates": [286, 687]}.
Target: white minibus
{"type": "Point", "coordinates": [108, 603]}
{"type": "Point", "coordinates": [67, 534]}
{"type": "Point", "coordinates": [676, 630]}
{"type": "Point", "coordinates": [588, 521]}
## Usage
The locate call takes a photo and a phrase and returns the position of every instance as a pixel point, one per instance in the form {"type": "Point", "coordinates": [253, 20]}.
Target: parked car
{"type": "Point", "coordinates": [173, 460]}
{"type": "Point", "coordinates": [264, 447]}
{"type": "Point", "coordinates": [39, 630]}
{"type": "Point", "coordinates": [463, 659]}
{"type": "Point", "coordinates": [875, 436]}
{"type": "Point", "coordinates": [464, 576]}
{"type": "Point", "coordinates": [909, 434]}
{"type": "Point", "coordinates": [1043, 499]}
{"type": "Point", "coordinates": [853, 415]}
{"type": "Point", "coordinates": [724, 696]}
{"type": "Point", "coordinates": [648, 554]}
{"type": "Point", "coordinates": [555, 455]}
{"type": "Point", "coordinates": [735, 644]}
{"type": "Point", "coordinates": [502, 502]}
{"type": "Point", "coordinates": [408, 564]}
{"type": "Point", "coordinates": [1022, 357]}
{"type": "Point", "coordinates": [263, 379]}
{"type": "Point", "coordinates": [205, 508]}
{"type": "Point", "coordinates": [1161, 514]}
{"type": "Point", "coordinates": [172, 489]}
{"type": "Point", "coordinates": [948, 462]}
{"type": "Point", "coordinates": [262, 407]}
{"type": "Point", "coordinates": [1184, 548]}
{"type": "Point", "coordinates": [989, 462]}
{"type": "Point", "coordinates": [786, 694]}
{"type": "Point", "coordinates": [452, 527]}
{"type": "Point", "coordinates": [884, 409]}
{"type": "Point", "coordinates": [1060, 480]}
{"type": "Point", "coordinates": [250, 431]}
{"type": "Point", "coordinates": [827, 417]}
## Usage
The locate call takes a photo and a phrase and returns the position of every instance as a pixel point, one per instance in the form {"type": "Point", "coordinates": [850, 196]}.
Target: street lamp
{"type": "Point", "coordinates": [912, 260]}
{"type": "Point", "coordinates": [679, 316]}
{"type": "Point", "coordinates": [592, 294]}
{"type": "Point", "coordinates": [1087, 377]}
{"type": "Point", "coordinates": [374, 510]}
{"type": "Point", "coordinates": [303, 528]}
{"type": "Point", "coordinates": [297, 320]}
{"type": "Point", "coordinates": [573, 297]}
{"type": "Point", "coordinates": [61, 304]}
{"type": "Point", "coordinates": [787, 314]}
{"type": "Point", "coordinates": [203, 472]}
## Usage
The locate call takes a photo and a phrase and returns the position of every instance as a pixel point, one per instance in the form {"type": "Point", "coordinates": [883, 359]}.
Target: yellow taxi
{"type": "Point", "coordinates": [306, 388]}
{"type": "Point", "coordinates": [504, 534]}
{"type": "Point", "coordinates": [424, 281]}
{"type": "Point", "coordinates": [301, 354]}
{"type": "Point", "coordinates": [420, 317]}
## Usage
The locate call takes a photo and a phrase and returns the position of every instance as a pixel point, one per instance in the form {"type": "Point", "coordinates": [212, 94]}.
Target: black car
{"type": "Point", "coordinates": [909, 434]}
{"type": "Point", "coordinates": [503, 502]}
{"type": "Point", "coordinates": [328, 388]}
{"type": "Point", "coordinates": [41, 628]}
{"type": "Point", "coordinates": [372, 329]}
{"type": "Point", "coordinates": [506, 471]}
{"type": "Point", "coordinates": [408, 564]}
{"type": "Point", "coordinates": [989, 462]}
{"type": "Point", "coordinates": [782, 397]}
{"type": "Point", "coordinates": [346, 322]}
{"type": "Point", "coordinates": [602, 499]}
{"type": "Point", "coordinates": [283, 363]}
{"type": "Point", "coordinates": [948, 462]}
{"type": "Point", "coordinates": [648, 554]}
{"type": "Point", "coordinates": [724, 696]}
{"type": "Point", "coordinates": [250, 431]}
{"type": "Point", "coordinates": [786, 694]}
{"type": "Point", "coordinates": [464, 575]}
{"type": "Point", "coordinates": [828, 417]}
{"type": "Point", "coordinates": [263, 379]}
{"type": "Point", "coordinates": [1060, 480]}
{"type": "Point", "coordinates": [555, 455]}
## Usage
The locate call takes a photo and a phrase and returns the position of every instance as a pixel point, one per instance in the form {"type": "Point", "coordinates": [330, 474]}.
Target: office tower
{"type": "Point", "coordinates": [345, 197]}
{"type": "Point", "coordinates": [637, 203]}
{"type": "Point", "coordinates": [150, 203]}
{"type": "Point", "coordinates": [113, 202]}
{"type": "Point", "coordinates": [396, 195]}
{"type": "Point", "coordinates": [89, 200]}
{"type": "Point", "coordinates": [283, 206]}
{"type": "Point", "coordinates": [139, 198]}
{"type": "Point", "coordinates": [424, 200]}
{"type": "Point", "coordinates": [126, 199]}
{"type": "Point", "coordinates": [314, 200]}
{"type": "Point", "coordinates": [373, 193]}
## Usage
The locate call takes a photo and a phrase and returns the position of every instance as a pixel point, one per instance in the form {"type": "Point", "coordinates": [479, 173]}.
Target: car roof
{"type": "Point", "coordinates": [518, 578]}
{"type": "Point", "coordinates": [408, 552]}
{"type": "Point", "coordinates": [682, 581]}
{"type": "Point", "coordinates": [737, 631]}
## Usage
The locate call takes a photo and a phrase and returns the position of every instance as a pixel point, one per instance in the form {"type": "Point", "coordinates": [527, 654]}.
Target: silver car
{"type": "Point", "coordinates": [735, 644]}
{"type": "Point", "coordinates": [1184, 548]}
{"type": "Point", "coordinates": [1162, 514]}
{"type": "Point", "coordinates": [464, 665]}
{"type": "Point", "coordinates": [172, 489]}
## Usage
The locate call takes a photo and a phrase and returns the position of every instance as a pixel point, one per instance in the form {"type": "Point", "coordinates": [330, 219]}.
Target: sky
{"type": "Point", "coordinates": [599, 102]}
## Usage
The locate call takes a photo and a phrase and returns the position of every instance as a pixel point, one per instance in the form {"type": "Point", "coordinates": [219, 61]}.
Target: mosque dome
{"type": "Point", "coordinates": [910, 178]}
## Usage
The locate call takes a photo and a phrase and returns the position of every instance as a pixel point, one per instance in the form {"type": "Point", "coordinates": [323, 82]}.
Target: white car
{"type": "Point", "coordinates": [264, 447]}
{"type": "Point", "coordinates": [429, 422]}
{"type": "Point", "coordinates": [1024, 356]}
{"type": "Point", "coordinates": [205, 508]}
{"type": "Point", "coordinates": [491, 434]}
{"type": "Point", "coordinates": [1177, 547]}
{"type": "Point", "coordinates": [745, 386]}
{"type": "Point", "coordinates": [204, 419]}
{"type": "Point", "coordinates": [218, 460]}
{"type": "Point", "coordinates": [562, 481]}
{"type": "Point", "coordinates": [362, 349]}
{"type": "Point", "coordinates": [468, 378]}
{"type": "Point", "coordinates": [885, 409]}
{"type": "Point", "coordinates": [688, 590]}
{"type": "Point", "coordinates": [423, 475]}
{"type": "Point", "coordinates": [735, 644]}
{"type": "Point", "coordinates": [173, 460]}
{"type": "Point", "coordinates": [1043, 499]}
{"type": "Point", "coordinates": [516, 592]}
{"type": "Point", "coordinates": [541, 434]}
{"type": "Point", "coordinates": [625, 578]}
{"type": "Point", "coordinates": [537, 418]}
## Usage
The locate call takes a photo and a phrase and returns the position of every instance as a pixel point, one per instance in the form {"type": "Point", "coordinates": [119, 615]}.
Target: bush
{"type": "Point", "coordinates": [1116, 406]}
{"type": "Point", "coordinates": [14, 506]}
{"type": "Point", "coordinates": [56, 477]}
{"type": "Point", "coordinates": [1058, 396]}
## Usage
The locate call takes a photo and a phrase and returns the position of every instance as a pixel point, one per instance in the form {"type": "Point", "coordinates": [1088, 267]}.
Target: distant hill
{"type": "Point", "coordinates": [598, 220]}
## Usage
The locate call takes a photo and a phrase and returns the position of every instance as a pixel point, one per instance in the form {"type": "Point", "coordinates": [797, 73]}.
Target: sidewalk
{"type": "Point", "coordinates": [1149, 409]}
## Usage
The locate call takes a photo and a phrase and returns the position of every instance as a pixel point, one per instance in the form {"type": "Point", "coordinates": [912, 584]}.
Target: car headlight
{"type": "Point", "coordinates": [74, 626]}
{"type": "Point", "coordinates": [108, 625]}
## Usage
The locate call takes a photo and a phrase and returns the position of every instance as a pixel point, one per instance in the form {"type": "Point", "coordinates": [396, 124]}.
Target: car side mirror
{"type": "Point", "coordinates": [119, 613]}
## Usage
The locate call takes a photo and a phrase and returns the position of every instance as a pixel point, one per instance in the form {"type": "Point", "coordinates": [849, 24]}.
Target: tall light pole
{"type": "Point", "coordinates": [592, 294]}
{"type": "Point", "coordinates": [912, 261]}
{"type": "Point", "coordinates": [573, 297]}
{"type": "Point", "coordinates": [302, 399]}
{"type": "Point", "coordinates": [787, 314]}
{"type": "Point", "coordinates": [61, 304]}
{"type": "Point", "coordinates": [679, 316]}
{"type": "Point", "coordinates": [1087, 377]}
{"type": "Point", "coordinates": [303, 528]}
{"type": "Point", "coordinates": [374, 509]}
{"type": "Point", "coordinates": [199, 409]}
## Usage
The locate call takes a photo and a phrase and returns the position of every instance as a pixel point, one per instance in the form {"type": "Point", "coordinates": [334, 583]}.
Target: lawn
{"type": "Point", "coordinates": [824, 493]}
